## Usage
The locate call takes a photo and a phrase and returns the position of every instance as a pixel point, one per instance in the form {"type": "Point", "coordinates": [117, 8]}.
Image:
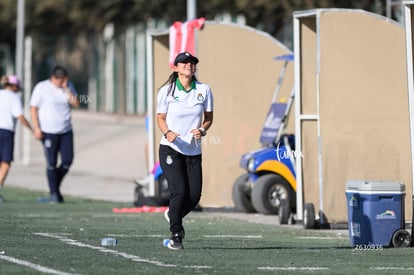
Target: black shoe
{"type": "Point", "coordinates": [60, 197]}
{"type": "Point", "coordinates": [54, 198]}
{"type": "Point", "coordinates": [176, 242]}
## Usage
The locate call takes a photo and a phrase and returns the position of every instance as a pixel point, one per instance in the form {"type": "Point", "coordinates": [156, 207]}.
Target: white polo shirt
{"type": "Point", "coordinates": [53, 108]}
{"type": "Point", "coordinates": [10, 109]}
{"type": "Point", "coordinates": [184, 113]}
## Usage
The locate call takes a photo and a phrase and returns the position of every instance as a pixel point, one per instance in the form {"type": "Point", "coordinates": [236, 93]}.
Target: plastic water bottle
{"type": "Point", "coordinates": [43, 200]}
{"type": "Point", "coordinates": [109, 242]}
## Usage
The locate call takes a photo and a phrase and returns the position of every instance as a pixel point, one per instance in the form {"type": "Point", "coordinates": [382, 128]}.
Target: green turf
{"type": "Point", "coordinates": [66, 238]}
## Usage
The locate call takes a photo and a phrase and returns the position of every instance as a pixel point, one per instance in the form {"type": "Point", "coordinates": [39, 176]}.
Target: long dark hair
{"type": "Point", "coordinates": [171, 82]}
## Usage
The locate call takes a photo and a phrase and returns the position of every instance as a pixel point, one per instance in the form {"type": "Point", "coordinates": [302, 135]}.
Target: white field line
{"type": "Point", "coordinates": [292, 268]}
{"type": "Point", "coordinates": [33, 266]}
{"type": "Point", "coordinates": [38, 216]}
{"type": "Point", "coordinates": [234, 236]}
{"type": "Point", "coordinates": [113, 252]}
{"type": "Point", "coordinates": [318, 238]}
{"type": "Point", "coordinates": [120, 235]}
{"type": "Point", "coordinates": [128, 215]}
{"type": "Point", "coordinates": [137, 236]}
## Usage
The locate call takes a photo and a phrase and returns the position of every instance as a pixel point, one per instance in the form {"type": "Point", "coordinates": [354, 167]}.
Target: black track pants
{"type": "Point", "coordinates": [184, 176]}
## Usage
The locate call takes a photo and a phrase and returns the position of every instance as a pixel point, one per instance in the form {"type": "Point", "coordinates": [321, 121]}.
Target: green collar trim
{"type": "Point", "coordinates": [181, 87]}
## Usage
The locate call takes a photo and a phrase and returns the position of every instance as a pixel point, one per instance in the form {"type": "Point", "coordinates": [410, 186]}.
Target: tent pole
{"type": "Point", "coordinates": [408, 35]}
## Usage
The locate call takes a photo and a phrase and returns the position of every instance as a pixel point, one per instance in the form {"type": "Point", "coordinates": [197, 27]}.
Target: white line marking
{"type": "Point", "coordinates": [37, 216]}
{"type": "Point", "coordinates": [292, 268]}
{"type": "Point", "coordinates": [317, 238]}
{"type": "Point", "coordinates": [113, 252]}
{"type": "Point", "coordinates": [34, 266]}
{"type": "Point", "coordinates": [234, 236]}
{"type": "Point", "coordinates": [137, 236]}
{"type": "Point", "coordinates": [114, 215]}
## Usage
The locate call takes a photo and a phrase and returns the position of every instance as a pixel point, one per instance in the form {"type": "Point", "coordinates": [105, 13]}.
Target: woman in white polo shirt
{"type": "Point", "coordinates": [51, 106]}
{"type": "Point", "coordinates": [184, 114]}
{"type": "Point", "coordinates": [10, 110]}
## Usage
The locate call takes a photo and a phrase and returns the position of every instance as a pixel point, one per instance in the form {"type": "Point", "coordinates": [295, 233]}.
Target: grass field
{"type": "Point", "coordinates": [39, 238]}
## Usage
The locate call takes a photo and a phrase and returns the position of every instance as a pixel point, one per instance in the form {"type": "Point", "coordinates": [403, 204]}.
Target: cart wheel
{"type": "Point", "coordinates": [401, 238]}
{"type": "Point", "coordinates": [163, 197]}
{"type": "Point", "coordinates": [241, 194]}
{"type": "Point", "coordinates": [267, 192]}
{"type": "Point", "coordinates": [308, 216]}
{"type": "Point", "coordinates": [138, 196]}
{"type": "Point", "coordinates": [284, 211]}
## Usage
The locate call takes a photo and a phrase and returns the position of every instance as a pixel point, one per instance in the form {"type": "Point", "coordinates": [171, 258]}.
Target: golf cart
{"type": "Point", "coordinates": [268, 186]}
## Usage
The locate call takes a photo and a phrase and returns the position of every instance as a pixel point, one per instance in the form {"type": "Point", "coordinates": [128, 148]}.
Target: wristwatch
{"type": "Point", "coordinates": [165, 134]}
{"type": "Point", "coordinates": [203, 131]}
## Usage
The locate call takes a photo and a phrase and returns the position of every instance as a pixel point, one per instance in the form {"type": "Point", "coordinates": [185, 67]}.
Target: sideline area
{"type": "Point", "coordinates": [109, 156]}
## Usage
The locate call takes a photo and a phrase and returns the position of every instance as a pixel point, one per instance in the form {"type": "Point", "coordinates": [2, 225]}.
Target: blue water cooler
{"type": "Point", "coordinates": [376, 213]}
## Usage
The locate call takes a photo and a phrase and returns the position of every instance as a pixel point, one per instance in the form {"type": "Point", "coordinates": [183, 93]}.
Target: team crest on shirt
{"type": "Point", "coordinates": [169, 160]}
{"type": "Point", "coordinates": [200, 97]}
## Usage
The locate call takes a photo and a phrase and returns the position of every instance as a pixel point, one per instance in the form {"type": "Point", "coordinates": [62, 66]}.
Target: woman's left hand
{"type": "Point", "coordinates": [197, 133]}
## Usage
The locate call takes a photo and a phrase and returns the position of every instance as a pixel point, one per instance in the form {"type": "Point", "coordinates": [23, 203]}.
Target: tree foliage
{"type": "Point", "coordinates": [58, 17]}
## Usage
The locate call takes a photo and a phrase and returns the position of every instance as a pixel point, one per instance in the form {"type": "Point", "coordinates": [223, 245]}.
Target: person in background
{"type": "Point", "coordinates": [184, 114]}
{"type": "Point", "coordinates": [51, 104]}
{"type": "Point", "coordinates": [11, 110]}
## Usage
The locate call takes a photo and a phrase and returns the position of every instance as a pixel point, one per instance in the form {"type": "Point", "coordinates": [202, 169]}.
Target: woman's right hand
{"type": "Point", "coordinates": [38, 133]}
{"type": "Point", "coordinates": [171, 136]}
